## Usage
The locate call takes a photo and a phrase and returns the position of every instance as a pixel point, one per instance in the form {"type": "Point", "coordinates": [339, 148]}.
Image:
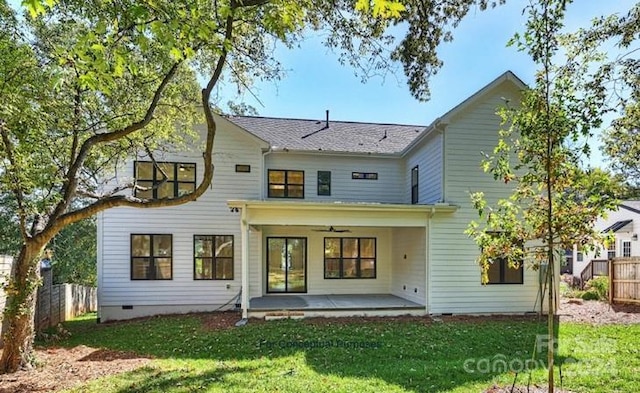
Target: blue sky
{"type": "Point", "coordinates": [315, 80]}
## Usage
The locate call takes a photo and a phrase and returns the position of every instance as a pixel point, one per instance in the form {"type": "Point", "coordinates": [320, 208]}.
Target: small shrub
{"type": "Point", "coordinates": [576, 294]}
{"type": "Point", "coordinates": [599, 286]}
{"type": "Point", "coordinates": [569, 292]}
{"type": "Point", "coordinates": [590, 295]}
{"type": "Point", "coordinates": [53, 334]}
{"type": "Point", "coordinates": [564, 289]}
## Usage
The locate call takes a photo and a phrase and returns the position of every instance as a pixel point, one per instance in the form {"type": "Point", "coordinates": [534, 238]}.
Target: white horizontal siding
{"type": "Point", "coordinates": [428, 156]}
{"type": "Point", "coordinates": [208, 215]}
{"type": "Point", "coordinates": [455, 276]}
{"type": "Point", "coordinates": [408, 273]}
{"type": "Point", "coordinates": [389, 188]}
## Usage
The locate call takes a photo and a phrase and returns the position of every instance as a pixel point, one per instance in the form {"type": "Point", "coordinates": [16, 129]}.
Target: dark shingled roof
{"type": "Point", "coordinates": [340, 136]}
{"type": "Point", "coordinates": [617, 226]}
{"type": "Point", "coordinates": [633, 206]}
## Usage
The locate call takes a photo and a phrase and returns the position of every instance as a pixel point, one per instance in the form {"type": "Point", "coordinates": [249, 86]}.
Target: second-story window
{"type": "Point", "coordinates": [164, 179]}
{"type": "Point", "coordinates": [324, 182]}
{"type": "Point", "coordinates": [364, 175]}
{"type": "Point", "coordinates": [611, 250]}
{"type": "Point", "coordinates": [626, 248]}
{"type": "Point", "coordinates": [414, 185]}
{"type": "Point", "coordinates": [286, 184]}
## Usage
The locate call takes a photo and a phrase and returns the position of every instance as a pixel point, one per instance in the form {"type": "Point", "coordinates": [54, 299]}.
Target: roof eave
{"type": "Point", "coordinates": [345, 206]}
{"type": "Point", "coordinates": [337, 153]}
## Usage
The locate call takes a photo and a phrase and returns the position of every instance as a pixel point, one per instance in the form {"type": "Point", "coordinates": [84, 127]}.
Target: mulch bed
{"type": "Point", "coordinates": [62, 368]}
{"type": "Point", "coordinates": [598, 313]}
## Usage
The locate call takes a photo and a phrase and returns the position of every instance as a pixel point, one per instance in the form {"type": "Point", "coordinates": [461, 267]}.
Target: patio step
{"type": "Point", "coordinates": [276, 315]}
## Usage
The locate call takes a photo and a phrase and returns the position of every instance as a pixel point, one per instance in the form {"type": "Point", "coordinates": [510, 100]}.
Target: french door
{"type": "Point", "coordinates": [286, 264]}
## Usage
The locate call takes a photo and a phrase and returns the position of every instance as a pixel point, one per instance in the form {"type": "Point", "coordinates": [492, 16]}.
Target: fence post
{"type": "Point", "coordinates": [611, 278]}
{"type": "Point", "coordinates": [6, 263]}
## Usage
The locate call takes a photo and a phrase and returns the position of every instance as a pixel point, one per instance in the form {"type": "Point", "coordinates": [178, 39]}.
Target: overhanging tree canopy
{"type": "Point", "coordinates": [86, 84]}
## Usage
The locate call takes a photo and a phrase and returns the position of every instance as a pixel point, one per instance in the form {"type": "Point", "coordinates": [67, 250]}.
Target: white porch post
{"type": "Point", "coordinates": [244, 228]}
{"type": "Point", "coordinates": [427, 268]}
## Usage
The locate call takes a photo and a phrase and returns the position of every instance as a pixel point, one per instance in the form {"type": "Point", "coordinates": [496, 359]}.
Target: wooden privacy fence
{"type": "Point", "coordinates": [596, 267]}
{"type": "Point", "coordinates": [61, 302]}
{"type": "Point", "coordinates": [624, 280]}
{"type": "Point", "coordinates": [5, 270]}
{"type": "Point", "coordinates": [55, 303]}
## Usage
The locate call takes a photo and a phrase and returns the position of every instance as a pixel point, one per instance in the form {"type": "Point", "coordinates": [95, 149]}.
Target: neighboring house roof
{"type": "Point", "coordinates": [617, 226]}
{"type": "Point", "coordinates": [331, 136]}
{"type": "Point", "coordinates": [633, 206]}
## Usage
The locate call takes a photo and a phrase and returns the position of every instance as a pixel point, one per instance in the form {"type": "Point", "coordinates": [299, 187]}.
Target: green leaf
{"type": "Point", "coordinates": [176, 54]}
{"type": "Point", "coordinates": [35, 7]}
{"type": "Point", "coordinates": [387, 9]}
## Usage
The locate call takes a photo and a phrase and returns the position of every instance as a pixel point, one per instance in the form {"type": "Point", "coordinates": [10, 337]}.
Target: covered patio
{"type": "Point", "coordinates": [286, 271]}
{"type": "Point", "coordinates": [333, 305]}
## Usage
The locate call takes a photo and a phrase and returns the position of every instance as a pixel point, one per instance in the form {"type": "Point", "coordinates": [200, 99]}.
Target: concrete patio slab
{"type": "Point", "coordinates": [331, 302]}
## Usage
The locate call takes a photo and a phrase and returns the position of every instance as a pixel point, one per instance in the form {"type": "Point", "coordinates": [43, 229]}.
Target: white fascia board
{"type": "Point", "coordinates": [330, 153]}
{"type": "Point", "coordinates": [285, 213]}
{"type": "Point", "coordinates": [343, 206]}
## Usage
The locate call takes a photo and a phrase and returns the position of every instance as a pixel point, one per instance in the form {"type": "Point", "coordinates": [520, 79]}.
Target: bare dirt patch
{"type": "Point", "coordinates": [62, 368]}
{"type": "Point", "coordinates": [221, 320]}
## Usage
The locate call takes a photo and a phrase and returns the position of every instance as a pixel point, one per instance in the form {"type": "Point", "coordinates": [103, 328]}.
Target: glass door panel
{"type": "Point", "coordinates": [286, 265]}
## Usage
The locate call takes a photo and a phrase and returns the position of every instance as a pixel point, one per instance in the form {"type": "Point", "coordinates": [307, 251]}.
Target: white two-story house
{"type": "Point", "coordinates": [317, 217]}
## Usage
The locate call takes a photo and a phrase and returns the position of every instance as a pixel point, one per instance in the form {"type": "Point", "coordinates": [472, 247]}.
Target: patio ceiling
{"type": "Point", "coordinates": [337, 213]}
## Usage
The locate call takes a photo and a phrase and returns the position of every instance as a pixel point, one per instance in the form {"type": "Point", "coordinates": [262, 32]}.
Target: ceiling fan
{"type": "Point", "coordinates": [332, 230]}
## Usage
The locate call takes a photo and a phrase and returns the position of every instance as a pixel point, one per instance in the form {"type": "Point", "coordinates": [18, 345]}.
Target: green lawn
{"type": "Point", "coordinates": [386, 356]}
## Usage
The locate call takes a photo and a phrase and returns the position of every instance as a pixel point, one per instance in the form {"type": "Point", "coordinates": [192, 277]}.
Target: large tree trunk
{"type": "Point", "coordinates": [19, 311]}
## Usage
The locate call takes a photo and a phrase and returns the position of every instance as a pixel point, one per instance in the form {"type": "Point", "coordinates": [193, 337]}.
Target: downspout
{"type": "Point", "coordinates": [100, 261]}
{"type": "Point", "coordinates": [263, 172]}
{"type": "Point", "coordinates": [442, 153]}
{"type": "Point", "coordinates": [244, 228]}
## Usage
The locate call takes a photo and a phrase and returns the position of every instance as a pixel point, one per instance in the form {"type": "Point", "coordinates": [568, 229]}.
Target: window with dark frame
{"type": "Point", "coordinates": [151, 257]}
{"type": "Point", "coordinates": [364, 175]}
{"type": "Point", "coordinates": [567, 266]}
{"type": "Point", "coordinates": [285, 183]}
{"type": "Point", "coordinates": [164, 179]}
{"type": "Point", "coordinates": [349, 257]}
{"type": "Point", "coordinates": [243, 168]}
{"type": "Point", "coordinates": [414, 185]}
{"type": "Point", "coordinates": [324, 183]}
{"type": "Point", "coordinates": [213, 257]}
{"type": "Point", "coordinates": [579, 256]}
{"type": "Point", "coordinates": [611, 250]}
{"type": "Point", "coordinates": [626, 248]}
{"type": "Point", "coordinates": [501, 273]}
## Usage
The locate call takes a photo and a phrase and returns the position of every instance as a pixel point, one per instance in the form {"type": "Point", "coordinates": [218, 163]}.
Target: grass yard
{"type": "Point", "coordinates": [358, 356]}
